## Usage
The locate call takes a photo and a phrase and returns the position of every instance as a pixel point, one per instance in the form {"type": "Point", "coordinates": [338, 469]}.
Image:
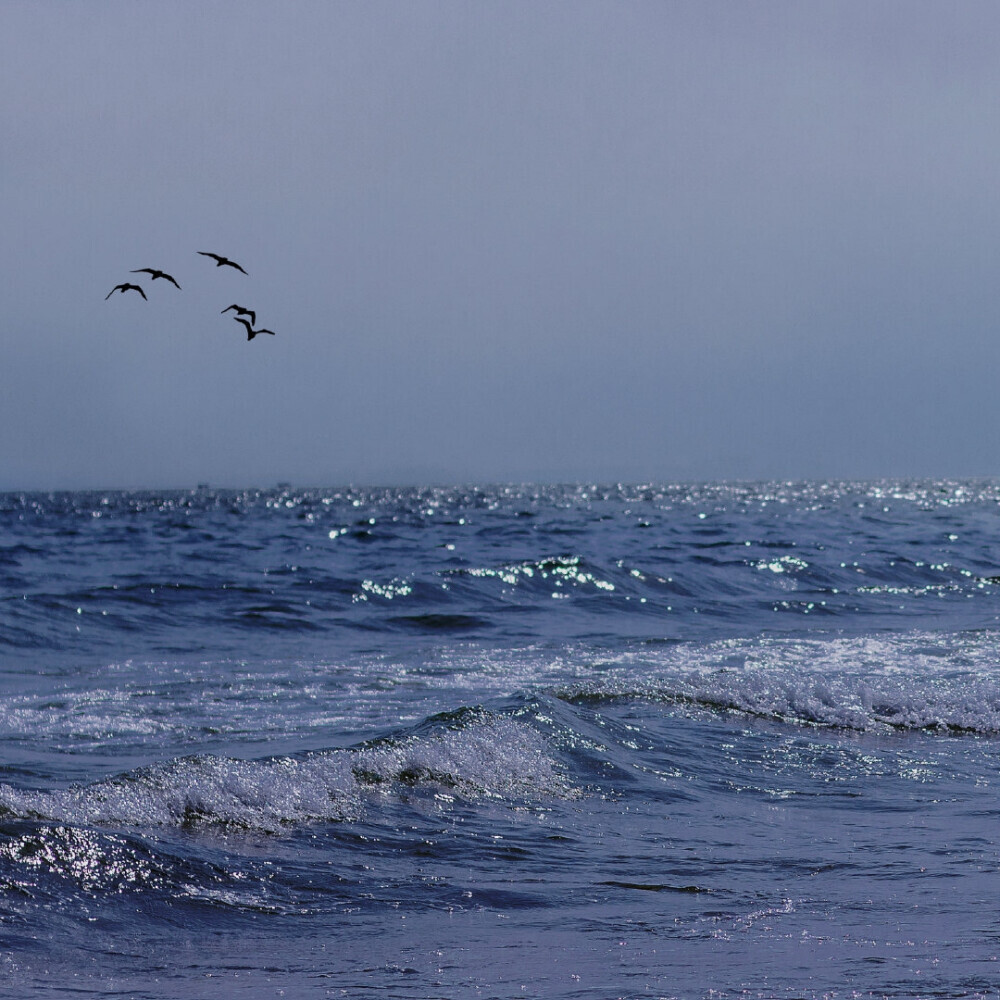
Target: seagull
{"type": "Point", "coordinates": [251, 332]}
{"type": "Point", "coordinates": [123, 288]}
{"type": "Point", "coordinates": [156, 274]}
{"type": "Point", "coordinates": [220, 261]}
{"type": "Point", "coordinates": [240, 311]}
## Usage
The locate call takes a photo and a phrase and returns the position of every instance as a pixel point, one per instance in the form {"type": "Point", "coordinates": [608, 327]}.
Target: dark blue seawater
{"type": "Point", "coordinates": [576, 742]}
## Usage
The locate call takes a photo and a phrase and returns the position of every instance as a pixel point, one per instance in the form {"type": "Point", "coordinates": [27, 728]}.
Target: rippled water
{"type": "Point", "coordinates": [581, 742]}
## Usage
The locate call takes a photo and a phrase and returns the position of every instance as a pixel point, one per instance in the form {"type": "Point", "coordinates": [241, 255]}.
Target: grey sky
{"type": "Point", "coordinates": [503, 241]}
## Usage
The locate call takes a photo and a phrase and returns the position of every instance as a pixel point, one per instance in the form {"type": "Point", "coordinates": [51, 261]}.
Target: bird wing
{"type": "Point", "coordinates": [251, 332]}
{"type": "Point", "coordinates": [123, 288]}
{"type": "Point", "coordinates": [169, 278]}
{"type": "Point", "coordinates": [144, 270]}
{"type": "Point", "coordinates": [214, 256]}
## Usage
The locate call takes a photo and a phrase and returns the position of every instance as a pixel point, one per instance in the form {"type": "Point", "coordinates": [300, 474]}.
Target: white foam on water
{"type": "Point", "coordinates": [491, 758]}
{"type": "Point", "coordinates": [916, 680]}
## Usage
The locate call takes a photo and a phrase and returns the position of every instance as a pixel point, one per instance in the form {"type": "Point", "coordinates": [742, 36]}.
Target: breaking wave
{"type": "Point", "coordinates": [482, 757]}
{"type": "Point", "coordinates": [916, 681]}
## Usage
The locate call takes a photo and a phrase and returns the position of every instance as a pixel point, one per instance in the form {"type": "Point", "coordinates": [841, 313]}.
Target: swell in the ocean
{"type": "Point", "coordinates": [656, 741]}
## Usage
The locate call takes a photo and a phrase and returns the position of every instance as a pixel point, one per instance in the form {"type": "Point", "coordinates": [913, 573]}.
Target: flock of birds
{"type": "Point", "coordinates": [220, 261]}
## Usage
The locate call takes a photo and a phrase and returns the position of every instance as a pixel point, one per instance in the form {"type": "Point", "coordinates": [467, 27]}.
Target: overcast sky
{"type": "Point", "coordinates": [499, 241]}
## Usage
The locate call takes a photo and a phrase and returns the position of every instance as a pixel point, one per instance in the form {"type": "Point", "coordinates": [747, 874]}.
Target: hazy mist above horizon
{"type": "Point", "coordinates": [499, 242]}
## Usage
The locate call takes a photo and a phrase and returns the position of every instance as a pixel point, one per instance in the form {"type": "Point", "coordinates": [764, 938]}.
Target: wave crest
{"type": "Point", "coordinates": [919, 681]}
{"type": "Point", "coordinates": [489, 758]}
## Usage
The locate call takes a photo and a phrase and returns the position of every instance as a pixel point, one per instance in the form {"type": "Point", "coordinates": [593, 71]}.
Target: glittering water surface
{"type": "Point", "coordinates": [581, 742]}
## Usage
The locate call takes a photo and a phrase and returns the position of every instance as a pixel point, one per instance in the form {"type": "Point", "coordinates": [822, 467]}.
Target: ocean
{"type": "Point", "coordinates": [583, 742]}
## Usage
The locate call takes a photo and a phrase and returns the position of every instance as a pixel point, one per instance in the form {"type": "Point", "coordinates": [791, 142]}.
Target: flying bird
{"type": "Point", "coordinates": [220, 261]}
{"type": "Point", "coordinates": [123, 288]}
{"type": "Point", "coordinates": [251, 332]}
{"type": "Point", "coordinates": [156, 274]}
{"type": "Point", "coordinates": [240, 311]}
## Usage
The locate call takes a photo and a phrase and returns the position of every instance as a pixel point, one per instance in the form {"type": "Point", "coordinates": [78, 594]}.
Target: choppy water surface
{"type": "Point", "coordinates": [581, 742]}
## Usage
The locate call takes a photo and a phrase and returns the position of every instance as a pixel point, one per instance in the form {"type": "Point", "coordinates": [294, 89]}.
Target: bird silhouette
{"type": "Point", "coordinates": [156, 274]}
{"type": "Point", "coordinates": [123, 288]}
{"type": "Point", "coordinates": [251, 332]}
{"type": "Point", "coordinates": [240, 311]}
{"type": "Point", "coordinates": [220, 261]}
